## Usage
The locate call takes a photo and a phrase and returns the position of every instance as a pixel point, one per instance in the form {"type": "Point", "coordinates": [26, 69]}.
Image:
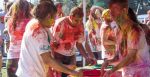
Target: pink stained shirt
{"type": "Point", "coordinates": [16, 37]}
{"type": "Point", "coordinates": [135, 39]}
{"type": "Point", "coordinates": [67, 36]}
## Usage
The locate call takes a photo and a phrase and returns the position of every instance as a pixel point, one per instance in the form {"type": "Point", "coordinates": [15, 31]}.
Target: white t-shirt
{"type": "Point", "coordinates": [67, 36]}
{"type": "Point", "coordinates": [34, 43]}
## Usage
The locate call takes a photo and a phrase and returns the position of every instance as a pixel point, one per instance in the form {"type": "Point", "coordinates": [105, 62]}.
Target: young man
{"type": "Point", "coordinates": [131, 45]}
{"type": "Point", "coordinates": [68, 32]}
{"type": "Point", "coordinates": [35, 59]}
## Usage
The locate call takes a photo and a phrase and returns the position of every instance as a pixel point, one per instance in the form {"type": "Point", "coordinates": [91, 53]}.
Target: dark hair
{"type": "Point", "coordinates": [132, 15]}
{"type": "Point", "coordinates": [122, 3]}
{"type": "Point", "coordinates": [46, 0]}
{"type": "Point", "coordinates": [77, 11]}
{"type": "Point", "coordinates": [20, 10]}
{"type": "Point", "coordinates": [145, 28]}
{"type": "Point", "coordinates": [42, 10]}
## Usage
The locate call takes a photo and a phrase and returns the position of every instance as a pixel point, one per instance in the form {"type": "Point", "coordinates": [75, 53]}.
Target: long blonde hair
{"type": "Point", "coordinates": [20, 10]}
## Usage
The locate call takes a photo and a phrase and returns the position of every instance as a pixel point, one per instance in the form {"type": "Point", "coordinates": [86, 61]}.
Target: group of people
{"type": "Point", "coordinates": [43, 41]}
{"type": "Point", "coordinates": [39, 47]}
{"type": "Point", "coordinates": [131, 45]}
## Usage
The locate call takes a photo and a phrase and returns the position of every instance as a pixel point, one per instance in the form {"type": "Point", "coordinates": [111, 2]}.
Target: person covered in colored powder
{"type": "Point", "coordinates": [16, 24]}
{"type": "Point", "coordinates": [108, 36]}
{"type": "Point", "coordinates": [92, 28]}
{"type": "Point", "coordinates": [131, 45]}
{"type": "Point", "coordinates": [68, 32]}
{"type": "Point", "coordinates": [35, 59]}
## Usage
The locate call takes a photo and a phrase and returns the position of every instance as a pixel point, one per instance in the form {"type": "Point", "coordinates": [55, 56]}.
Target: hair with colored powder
{"type": "Point", "coordinates": [20, 10]}
{"type": "Point", "coordinates": [46, 0]}
{"type": "Point", "coordinates": [77, 12]}
{"type": "Point", "coordinates": [93, 11]}
{"type": "Point", "coordinates": [42, 10]}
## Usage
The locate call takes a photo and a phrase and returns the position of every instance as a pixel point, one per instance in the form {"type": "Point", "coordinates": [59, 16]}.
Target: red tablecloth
{"type": "Point", "coordinates": [96, 73]}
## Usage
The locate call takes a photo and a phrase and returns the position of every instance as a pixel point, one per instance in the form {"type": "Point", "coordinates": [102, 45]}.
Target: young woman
{"type": "Point", "coordinates": [92, 27]}
{"type": "Point", "coordinates": [16, 24]}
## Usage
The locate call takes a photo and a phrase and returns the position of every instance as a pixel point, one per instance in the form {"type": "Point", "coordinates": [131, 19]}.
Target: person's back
{"type": "Point", "coordinates": [16, 37]}
{"type": "Point", "coordinates": [20, 15]}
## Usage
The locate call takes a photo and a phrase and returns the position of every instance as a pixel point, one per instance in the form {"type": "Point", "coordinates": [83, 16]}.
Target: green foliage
{"type": "Point", "coordinates": [69, 4]}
